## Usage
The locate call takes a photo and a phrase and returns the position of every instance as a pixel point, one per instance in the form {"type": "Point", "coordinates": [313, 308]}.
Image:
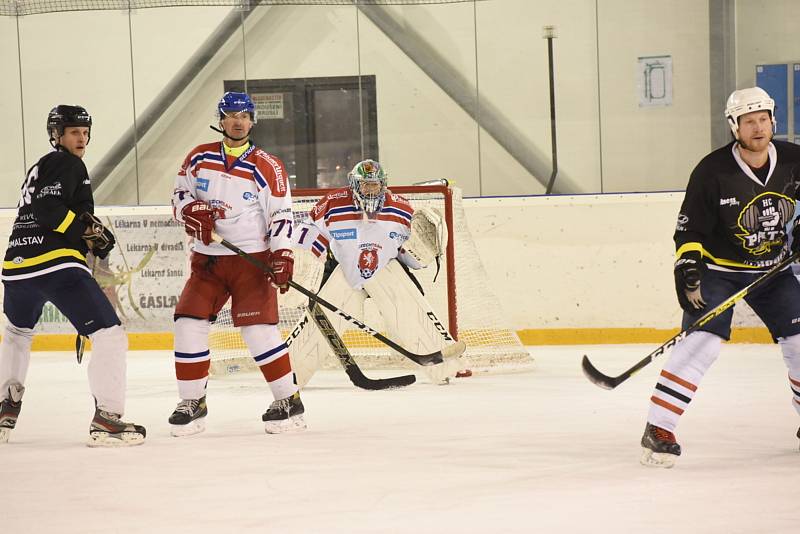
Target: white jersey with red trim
{"type": "Point", "coordinates": [252, 189]}
{"type": "Point", "coordinates": [362, 245]}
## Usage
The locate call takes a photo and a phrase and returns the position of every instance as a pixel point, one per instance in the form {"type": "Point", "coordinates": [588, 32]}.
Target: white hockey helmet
{"type": "Point", "coordinates": [748, 100]}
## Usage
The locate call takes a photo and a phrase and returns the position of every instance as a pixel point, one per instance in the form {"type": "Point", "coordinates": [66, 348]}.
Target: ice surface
{"type": "Point", "coordinates": [544, 451]}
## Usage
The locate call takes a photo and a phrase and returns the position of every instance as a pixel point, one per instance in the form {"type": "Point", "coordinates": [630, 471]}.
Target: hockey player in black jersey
{"type": "Point", "coordinates": [732, 227]}
{"type": "Point", "coordinates": [46, 261]}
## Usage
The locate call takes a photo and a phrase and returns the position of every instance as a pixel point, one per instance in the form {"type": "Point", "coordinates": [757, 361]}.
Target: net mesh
{"type": "Point", "coordinates": [470, 309]}
{"type": "Point", "coordinates": [13, 8]}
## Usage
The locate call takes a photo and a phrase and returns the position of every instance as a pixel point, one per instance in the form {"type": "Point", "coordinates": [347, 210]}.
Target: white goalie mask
{"type": "Point", "coordinates": [368, 182]}
{"type": "Point", "coordinates": [744, 101]}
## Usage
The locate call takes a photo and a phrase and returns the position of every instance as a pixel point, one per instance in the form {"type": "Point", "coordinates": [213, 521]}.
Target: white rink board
{"type": "Point", "coordinates": [587, 261]}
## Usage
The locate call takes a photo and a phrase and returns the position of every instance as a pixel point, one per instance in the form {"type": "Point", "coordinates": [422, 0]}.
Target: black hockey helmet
{"type": "Point", "coordinates": [63, 116]}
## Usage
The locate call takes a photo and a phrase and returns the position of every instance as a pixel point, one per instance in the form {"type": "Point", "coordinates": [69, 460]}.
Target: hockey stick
{"type": "Point", "coordinates": [610, 382]}
{"type": "Point", "coordinates": [450, 351]}
{"type": "Point", "coordinates": [80, 341]}
{"type": "Point", "coordinates": [352, 369]}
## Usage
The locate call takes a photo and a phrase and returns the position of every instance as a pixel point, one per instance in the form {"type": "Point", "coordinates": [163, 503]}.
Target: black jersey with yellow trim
{"type": "Point", "coordinates": [737, 221]}
{"type": "Point", "coordinates": [46, 235]}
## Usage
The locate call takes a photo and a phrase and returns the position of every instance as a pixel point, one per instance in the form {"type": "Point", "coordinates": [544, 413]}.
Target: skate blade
{"type": "Point", "coordinates": [194, 427]}
{"type": "Point", "coordinates": [293, 424]}
{"type": "Point", "coordinates": [123, 439]}
{"type": "Point", "coordinates": [5, 433]}
{"type": "Point", "coordinates": [657, 459]}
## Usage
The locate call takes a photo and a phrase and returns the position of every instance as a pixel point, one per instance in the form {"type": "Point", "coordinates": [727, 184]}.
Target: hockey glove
{"type": "Point", "coordinates": [198, 220]}
{"type": "Point", "coordinates": [688, 273]}
{"type": "Point", "coordinates": [282, 265]}
{"type": "Point", "coordinates": [98, 238]}
{"type": "Point", "coordinates": [796, 235]}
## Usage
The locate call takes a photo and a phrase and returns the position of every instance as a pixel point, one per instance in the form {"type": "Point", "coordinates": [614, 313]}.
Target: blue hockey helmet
{"type": "Point", "coordinates": [236, 102]}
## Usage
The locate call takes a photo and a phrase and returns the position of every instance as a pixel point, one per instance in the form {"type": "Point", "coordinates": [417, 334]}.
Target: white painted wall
{"type": "Point", "coordinates": [605, 140]}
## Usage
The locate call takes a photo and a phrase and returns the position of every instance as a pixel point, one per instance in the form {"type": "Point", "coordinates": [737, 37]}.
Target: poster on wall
{"type": "Point", "coordinates": [654, 81]}
{"type": "Point", "coordinates": [142, 276]}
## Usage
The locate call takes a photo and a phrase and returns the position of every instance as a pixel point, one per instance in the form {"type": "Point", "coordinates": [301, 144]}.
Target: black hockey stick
{"type": "Point", "coordinates": [352, 369]}
{"type": "Point", "coordinates": [450, 351]}
{"type": "Point", "coordinates": [610, 382]}
{"type": "Point", "coordinates": [80, 341]}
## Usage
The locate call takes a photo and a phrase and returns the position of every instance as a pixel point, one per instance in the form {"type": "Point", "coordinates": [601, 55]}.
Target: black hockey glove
{"type": "Point", "coordinates": [688, 272]}
{"type": "Point", "coordinates": [98, 238]}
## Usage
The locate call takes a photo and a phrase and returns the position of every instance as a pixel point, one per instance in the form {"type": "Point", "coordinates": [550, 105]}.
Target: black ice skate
{"type": "Point", "coordinates": [659, 447]}
{"type": "Point", "coordinates": [189, 417]}
{"type": "Point", "coordinates": [285, 415]}
{"type": "Point", "coordinates": [108, 430]}
{"type": "Point", "coordinates": [9, 411]}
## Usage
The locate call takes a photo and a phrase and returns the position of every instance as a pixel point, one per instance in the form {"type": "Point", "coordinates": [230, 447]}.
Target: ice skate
{"type": "Point", "coordinates": [9, 411]}
{"type": "Point", "coordinates": [285, 415]}
{"type": "Point", "coordinates": [189, 417]}
{"type": "Point", "coordinates": [108, 430]}
{"type": "Point", "coordinates": [659, 447]}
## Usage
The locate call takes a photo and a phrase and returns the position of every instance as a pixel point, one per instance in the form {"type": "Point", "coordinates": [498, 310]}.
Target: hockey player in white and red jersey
{"type": "Point", "coordinates": [364, 232]}
{"type": "Point", "coordinates": [242, 193]}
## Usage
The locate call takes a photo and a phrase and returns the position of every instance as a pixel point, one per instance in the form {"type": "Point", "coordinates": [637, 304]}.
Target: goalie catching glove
{"type": "Point", "coordinates": [428, 238]}
{"type": "Point", "coordinates": [198, 220]}
{"type": "Point", "coordinates": [98, 238]}
{"type": "Point", "coordinates": [282, 267]}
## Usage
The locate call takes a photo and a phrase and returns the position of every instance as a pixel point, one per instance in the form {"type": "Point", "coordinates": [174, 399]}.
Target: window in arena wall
{"type": "Point", "coordinates": [319, 127]}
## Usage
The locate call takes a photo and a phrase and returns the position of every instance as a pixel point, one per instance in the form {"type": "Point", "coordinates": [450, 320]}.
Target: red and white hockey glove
{"type": "Point", "coordinates": [198, 220]}
{"type": "Point", "coordinates": [282, 264]}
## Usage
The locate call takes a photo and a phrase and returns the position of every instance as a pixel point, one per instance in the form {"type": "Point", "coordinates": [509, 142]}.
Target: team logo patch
{"type": "Point", "coordinates": [250, 197]}
{"type": "Point", "coordinates": [367, 262]}
{"type": "Point", "coordinates": [763, 222]}
{"type": "Point", "coordinates": [346, 233]}
{"type": "Point", "coordinates": [202, 184]}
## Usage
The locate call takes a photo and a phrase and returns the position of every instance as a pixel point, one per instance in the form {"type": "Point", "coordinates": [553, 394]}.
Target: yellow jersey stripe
{"type": "Point", "coordinates": [37, 260]}
{"type": "Point", "coordinates": [688, 247]}
{"type": "Point", "coordinates": [66, 222]}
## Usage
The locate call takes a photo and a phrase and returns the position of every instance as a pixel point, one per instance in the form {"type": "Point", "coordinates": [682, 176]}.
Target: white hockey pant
{"type": "Point", "coordinates": [107, 368]}
{"type": "Point", "coordinates": [15, 357]}
{"type": "Point", "coordinates": [680, 377]}
{"type": "Point", "coordinates": [791, 356]}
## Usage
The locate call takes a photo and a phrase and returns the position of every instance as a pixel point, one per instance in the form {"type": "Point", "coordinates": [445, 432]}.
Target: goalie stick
{"type": "Point", "coordinates": [450, 351]}
{"type": "Point", "coordinates": [352, 369]}
{"type": "Point", "coordinates": [610, 382]}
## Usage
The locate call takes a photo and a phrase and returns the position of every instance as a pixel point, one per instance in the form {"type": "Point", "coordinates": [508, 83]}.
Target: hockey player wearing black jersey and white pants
{"type": "Point", "coordinates": [731, 229]}
{"type": "Point", "coordinates": [46, 261]}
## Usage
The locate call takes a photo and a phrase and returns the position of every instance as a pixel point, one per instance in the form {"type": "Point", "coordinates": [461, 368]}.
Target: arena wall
{"type": "Point", "coordinates": [567, 269]}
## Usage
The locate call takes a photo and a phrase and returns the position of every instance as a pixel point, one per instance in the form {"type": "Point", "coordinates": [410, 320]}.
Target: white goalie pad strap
{"type": "Point", "coordinates": [308, 348]}
{"type": "Point", "coordinates": [428, 238]}
{"type": "Point", "coordinates": [15, 357]}
{"type": "Point", "coordinates": [107, 368]}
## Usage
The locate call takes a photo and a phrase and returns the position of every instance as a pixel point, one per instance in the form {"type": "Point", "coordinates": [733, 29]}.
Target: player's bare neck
{"type": "Point", "coordinates": [755, 160]}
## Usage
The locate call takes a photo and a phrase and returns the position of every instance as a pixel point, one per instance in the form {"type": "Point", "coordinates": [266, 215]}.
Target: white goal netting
{"type": "Point", "coordinates": [460, 296]}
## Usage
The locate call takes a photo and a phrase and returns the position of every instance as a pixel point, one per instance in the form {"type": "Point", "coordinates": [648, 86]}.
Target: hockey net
{"type": "Point", "coordinates": [460, 296]}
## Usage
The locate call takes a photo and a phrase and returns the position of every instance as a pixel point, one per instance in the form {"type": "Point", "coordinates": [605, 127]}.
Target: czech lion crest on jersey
{"type": "Point", "coordinates": [763, 222]}
{"type": "Point", "coordinates": [367, 262]}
